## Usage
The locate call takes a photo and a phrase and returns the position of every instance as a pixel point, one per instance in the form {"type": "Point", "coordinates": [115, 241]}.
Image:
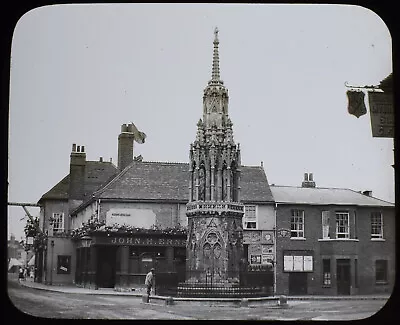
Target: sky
{"type": "Point", "coordinates": [80, 71]}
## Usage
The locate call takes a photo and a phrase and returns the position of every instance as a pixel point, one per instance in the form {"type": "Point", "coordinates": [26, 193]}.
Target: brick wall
{"type": "Point", "coordinates": [359, 247]}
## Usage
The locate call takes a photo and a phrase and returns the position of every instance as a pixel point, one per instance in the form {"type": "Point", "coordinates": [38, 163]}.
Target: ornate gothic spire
{"type": "Point", "coordinates": [215, 66]}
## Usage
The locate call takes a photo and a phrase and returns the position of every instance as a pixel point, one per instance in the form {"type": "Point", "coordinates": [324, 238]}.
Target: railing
{"type": "Point", "coordinates": [203, 284]}
{"type": "Point", "coordinates": [217, 207]}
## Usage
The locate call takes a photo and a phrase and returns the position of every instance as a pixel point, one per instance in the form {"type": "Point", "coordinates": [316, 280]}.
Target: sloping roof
{"type": "Point", "coordinates": [58, 191]}
{"type": "Point", "coordinates": [97, 174]}
{"type": "Point", "coordinates": [144, 180]}
{"type": "Point", "coordinates": [149, 181]}
{"type": "Point", "coordinates": [324, 196]}
{"type": "Point", "coordinates": [254, 185]}
{"type": "Point", "coordinates": [387, 84]}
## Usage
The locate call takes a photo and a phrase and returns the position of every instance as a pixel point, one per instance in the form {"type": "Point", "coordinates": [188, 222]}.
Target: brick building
{"type": "Point", "coordinates": [339, 242]}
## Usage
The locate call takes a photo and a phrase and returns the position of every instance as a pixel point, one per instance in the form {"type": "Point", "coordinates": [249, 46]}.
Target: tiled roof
{"type": "Point", "coordinates": [170, 181]}
{"type": "Point", "coordinates": [97, 174]}
{"type": "Point", "coordinates": [59, 191]}
{"type": "Point", "coordinates": [324, 196]}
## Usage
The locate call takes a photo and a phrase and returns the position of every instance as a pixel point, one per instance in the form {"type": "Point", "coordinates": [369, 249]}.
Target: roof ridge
{"type": "Point", "coordinates": [163, 162]}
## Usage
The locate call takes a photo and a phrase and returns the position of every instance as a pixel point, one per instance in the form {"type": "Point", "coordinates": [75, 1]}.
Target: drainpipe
{"type": "Point", "coordinates": [275, 248]}
{"type": "Point", "coordinates": [98, 209]}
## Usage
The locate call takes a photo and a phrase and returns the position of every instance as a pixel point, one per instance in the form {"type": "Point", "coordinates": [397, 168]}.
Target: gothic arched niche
{"type": "Point", "coordinates": [202, 182]}
{"type": "Point", "coordinates": [193, 181]}
{"type": "Point", "coordinates": [224, 181]}
{"type": "Point", "coordinates": [234, 185]}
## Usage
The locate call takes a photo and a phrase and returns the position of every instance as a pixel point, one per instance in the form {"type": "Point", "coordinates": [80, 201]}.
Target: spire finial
{"type": "Point", "coordinates": [215, 67]}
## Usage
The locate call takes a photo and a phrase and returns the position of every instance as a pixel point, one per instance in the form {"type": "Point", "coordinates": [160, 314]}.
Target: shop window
{"type": "Point", "coordinates": [376, 225]}
{"type": "Point", "coordinates": [63, 264]}
{"type": "Point", "coordinates": [326, 272]}
{"type": "Point", "coordinates": [297, 224]}
{"type": "Point", "coordinates": [381, 270]}
{"type": "Point", "coordinates": [342, 225]}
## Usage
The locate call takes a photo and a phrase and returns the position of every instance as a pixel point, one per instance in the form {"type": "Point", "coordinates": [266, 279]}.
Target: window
{"type": "Point", "coordinates": [342, 225]}
{"type": "Point", "coordinates": [326, 272]}
{"type": "Point", "coordinates": [63, 264]}
{"type": "Point", "coordinates": [381, 271]}
{"type": "Point", "coordinates": [325, 225]}
{"type": "Point", "coordinates": [250, 217]}
{"type": "Point", "coordinates": [58, 222]}
{"type": "Point", "coordinates": [376, 225]}
{"type": "Point", "coordinates": [297, 224]}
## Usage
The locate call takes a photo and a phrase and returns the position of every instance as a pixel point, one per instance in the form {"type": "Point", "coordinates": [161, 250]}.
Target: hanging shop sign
{"type": "Point", "coordinates": [356, 105]}
{"type": "Point", "coordinates": [382, 114]}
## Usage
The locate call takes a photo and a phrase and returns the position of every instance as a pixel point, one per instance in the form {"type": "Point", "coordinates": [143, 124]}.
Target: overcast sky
{"type": "Point", "coordinates": [80, 71]}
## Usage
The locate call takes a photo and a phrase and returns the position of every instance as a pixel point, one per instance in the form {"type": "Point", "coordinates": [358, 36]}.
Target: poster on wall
{"type": "Point", "coordinates": [267, 258]}
{"type": "Point", "coordinates": [255, 259]}
{"type": "Point", "coordinates": [288, 263]}
{"type": "Point", "coordinates": [251, 237]}
{"type": "Point", "coordinates": [308, 263]}
{"type": "Point", "coordinates": [267, 237]}
{"type": "Point", "coordinates": [298, 263]}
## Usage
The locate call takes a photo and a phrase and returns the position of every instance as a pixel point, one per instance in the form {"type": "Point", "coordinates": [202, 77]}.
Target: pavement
{"type": "Point", "coordinates": [139, 292]}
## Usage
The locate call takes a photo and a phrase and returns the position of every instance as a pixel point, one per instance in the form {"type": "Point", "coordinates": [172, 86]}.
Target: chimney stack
{"type": "Point", "coordinates": [125, 146]}
{"type": "Point", "coordinates": [77, 172]}
{"type": "Point", "coordinates": [101, 159]}
{"type": "Point", "coordinates": [308, 180]}
{"type": "Point", "coordinates": [367, 193]}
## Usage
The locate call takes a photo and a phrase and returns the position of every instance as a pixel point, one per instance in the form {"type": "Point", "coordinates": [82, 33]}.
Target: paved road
{"type": "Point", "coordinates": [82, 306]}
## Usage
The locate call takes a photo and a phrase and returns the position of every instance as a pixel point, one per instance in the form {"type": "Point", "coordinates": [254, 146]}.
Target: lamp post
{"type": "Point", "coordinates": [86, 241]}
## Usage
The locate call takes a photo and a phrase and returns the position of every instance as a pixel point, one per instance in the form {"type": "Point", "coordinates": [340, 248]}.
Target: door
{"type": "Point", "coordinates": [106, 263]}
{"type": "Point", "coordinates": [297, 283]}
{"type": "Point", "coordinates": [343, 278]}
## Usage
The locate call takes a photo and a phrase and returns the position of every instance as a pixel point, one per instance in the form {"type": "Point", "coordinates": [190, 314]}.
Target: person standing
{"type": "Point", "coordinates": [149, 282]}
{"type": "Point", "coordinates": [20, 274]}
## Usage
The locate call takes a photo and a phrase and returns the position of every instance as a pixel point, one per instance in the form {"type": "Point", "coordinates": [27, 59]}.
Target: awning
{"type": "Point", "coordinates": [32, 261]}
{"type": "Point", "coordinates": [14, 262]}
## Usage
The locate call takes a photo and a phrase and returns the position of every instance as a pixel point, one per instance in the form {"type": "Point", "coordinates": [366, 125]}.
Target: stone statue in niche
{"type": "Point", "coordinates": [202, 183]}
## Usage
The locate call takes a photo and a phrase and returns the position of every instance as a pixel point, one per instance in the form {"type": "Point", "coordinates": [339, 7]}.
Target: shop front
{"type": "Point", "coordinates": [122, 261]}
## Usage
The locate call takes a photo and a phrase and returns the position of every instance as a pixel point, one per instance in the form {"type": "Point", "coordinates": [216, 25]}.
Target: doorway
{"type": "Point", "coordinates": [106, 263]}
{"type": "Point", "coordinates": [297, 283]}
{"type": "Point", "coordinates": [343, 276]}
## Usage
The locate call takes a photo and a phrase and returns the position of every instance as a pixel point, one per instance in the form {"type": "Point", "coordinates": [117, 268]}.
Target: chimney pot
{"type": "Point", "coordinates": [110, 160]}
{"type": "Point", "coordinates": [310, 177]}
{"type": "Point", "coordinates": [78, 149]}
{"type": "Point", "coordinates": [83, 149]}
{"type": "Point", "coordinates": [101, 159]}
{"type": "Point", "coordinates": [73, 147]}
{"type": "Point", "coordinates": [305, 177]}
